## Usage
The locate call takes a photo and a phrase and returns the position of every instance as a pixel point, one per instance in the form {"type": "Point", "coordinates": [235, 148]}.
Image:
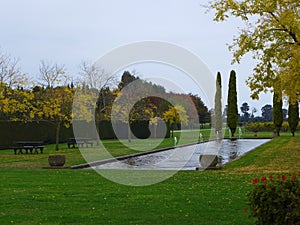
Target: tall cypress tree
{"type": "Point", "coordinates": [277, 111]}
{"type": "Point", "coordinates": [232, 113]}
{"type": "Point", "coordinates": [293, 118]}
{"type": "Point", "coordinates": [218, 105]}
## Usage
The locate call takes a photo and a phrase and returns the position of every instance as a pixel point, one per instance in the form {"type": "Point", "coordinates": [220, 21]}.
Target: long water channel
{"type": "Point", "coordinates": [187, 157]}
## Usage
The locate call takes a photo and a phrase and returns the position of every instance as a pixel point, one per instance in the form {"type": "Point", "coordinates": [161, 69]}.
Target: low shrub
{"type": "Point", "coordinates": [258, 126]}
{"type": "Point", "coordinates": [266, 126]}
{"type": "Point", "coordinates": [276, 200]}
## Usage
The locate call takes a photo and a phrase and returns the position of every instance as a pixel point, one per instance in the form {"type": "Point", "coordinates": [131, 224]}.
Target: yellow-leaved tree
{"type": "Point", "coordinates": [272, 34]}
{"type": "Point", "coordinates": [175, 115]}
{"type": "Point", "coordinates": [128, 108]}
{"type": "Point", "coordinates": [4, 101]}
{"type": "Point", "coordinates": [16, 104]}
{"type": "Point", "coordinates": [21, 105]}
{"type": "Point", "coordinates": [55, 105]}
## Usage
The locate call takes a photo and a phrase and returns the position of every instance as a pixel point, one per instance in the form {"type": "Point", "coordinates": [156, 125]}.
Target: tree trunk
{"type": "Point", "coordinates": [57, 136]}
{"type": "Point", "coordinates": [98, 132]}
{"type": "Point", "coordinates": [276, 133]}
{"type": "Point", "coordinates": [232, 132]}
{"type": "Point", "coordinates": [129, 133]}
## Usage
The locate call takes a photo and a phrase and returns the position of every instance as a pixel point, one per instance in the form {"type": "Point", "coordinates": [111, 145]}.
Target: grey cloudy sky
{"type": "Point", "coordinates": [69, 31]}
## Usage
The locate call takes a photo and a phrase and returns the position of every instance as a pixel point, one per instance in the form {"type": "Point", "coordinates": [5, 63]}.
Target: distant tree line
{"type": "Point", "coordinates": [51, 97]}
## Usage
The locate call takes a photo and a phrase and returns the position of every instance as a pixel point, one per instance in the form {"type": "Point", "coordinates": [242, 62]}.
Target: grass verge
{"type": "Point", "coordinates": [45, 196]}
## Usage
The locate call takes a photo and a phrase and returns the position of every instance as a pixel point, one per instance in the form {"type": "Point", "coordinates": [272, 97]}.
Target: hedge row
{"type": "Point", "coordinates": [267, 126]}
{"type": "Point", "coordinates": [11, 131]}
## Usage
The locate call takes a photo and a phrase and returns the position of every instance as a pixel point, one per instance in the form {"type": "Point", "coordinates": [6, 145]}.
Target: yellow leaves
{"type": "Point", "coordinates": [84, 104]}
{"type": "Point", "coordinates": [154, 121]}
{"type": "Point", "coordinates": [17, 103]}
{"type": "Point", "coordinates": [56, 104]}
{"type": "Point", "coordinates": [176, 114]}
{"type": "Point", "coordinates": [31, 115]}
{"type": "Point", "coordinates": [273, 39]}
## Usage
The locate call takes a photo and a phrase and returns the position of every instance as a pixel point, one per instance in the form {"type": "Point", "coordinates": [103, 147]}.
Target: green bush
{"type": "Point", "coordinates": [12, 131]}
{"type": "Point", "coordinates": [254, 127]}
{"type": "Point", "coordinates": [276, 200]}
{"type": "Point", "coordinates": [285, 126]}
{"type": "Point", "coordinates": [259, 126]}
{"type": "Point", "coordinates": [266, 126]}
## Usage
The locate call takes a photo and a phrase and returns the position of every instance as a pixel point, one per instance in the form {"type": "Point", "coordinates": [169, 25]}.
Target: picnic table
{"type": "Point", "coordinates": [28, 147]}
{"type": "Point", "coordinates": [80, 142]}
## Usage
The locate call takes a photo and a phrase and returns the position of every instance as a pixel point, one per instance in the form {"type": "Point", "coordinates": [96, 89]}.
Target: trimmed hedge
{"type": "Point", "coordinates": [140, 129]}
{"type": "Point", "coordinates": [11, 131]}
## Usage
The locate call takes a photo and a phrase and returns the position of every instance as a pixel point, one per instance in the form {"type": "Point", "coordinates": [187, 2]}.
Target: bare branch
{"type": "Point", "coordinates": [10, 72]}
{"type": "Point", "coordinates": [51, 75]}
{"type": "Point", "coordinates": [95, 77]}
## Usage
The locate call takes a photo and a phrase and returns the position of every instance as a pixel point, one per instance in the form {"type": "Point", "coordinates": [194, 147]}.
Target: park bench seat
{"type": "Point", "coordinates": [73, 143]}
{"type": "Point", "coordinates": [89, 143]}
{"type": "Point", "coordinates": [28, 149]}
{"type": "Point", "coordinates": [80, 142]}
{"type": "Point", "coordinates": [41, 148]}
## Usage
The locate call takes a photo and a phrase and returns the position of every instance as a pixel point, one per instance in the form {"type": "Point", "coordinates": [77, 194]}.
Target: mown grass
{"type": "Point", "coordinates": [30, 195]}
{"type": "Point", "coordinates": [83, 197]}
{"type": "Point", "coordinates": [73, 156]}
{"type": "Point", "coordinates": [115, 147]}
{"type": "Point", "coordinates": [280, 155]}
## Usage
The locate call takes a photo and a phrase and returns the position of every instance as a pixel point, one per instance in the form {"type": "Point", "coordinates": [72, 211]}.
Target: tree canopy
{"type": "Point", "coordinates": [175, 115]}
{"type": "Point", "coordinates": [232, 112]}
{"type": "Point", "coordinates": [266, 112]}
{"type": "Point", "coordinates": [55, 100]}
{"type": "Point", "coordinates": [244, 109]}
{"type": "Point", "coordinates": [293, 119]}
{"type": "Point", "coordinates": [218, 104]}
{"type": "Point", "coordinates": [277, 112]}
{"type": "Point", "coordinates": [272, 34]}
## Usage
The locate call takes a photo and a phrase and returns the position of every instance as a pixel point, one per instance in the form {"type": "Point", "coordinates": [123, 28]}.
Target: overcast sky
{"type": "Point", "coordinates": [68, 32]}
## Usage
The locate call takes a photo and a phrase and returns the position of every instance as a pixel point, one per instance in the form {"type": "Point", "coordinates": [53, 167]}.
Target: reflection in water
{"type": "Point", "coordinates": [187, 158]}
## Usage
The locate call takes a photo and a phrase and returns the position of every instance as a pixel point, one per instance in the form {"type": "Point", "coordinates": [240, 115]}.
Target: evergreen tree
{"type": "Point", "coordinates": [277, 112]}
{"type": "Point", "coordinates": [126, 79]}
{"type": "Point", "coordinates": [232, 113]}
{"type": "Point", "coordinates": [203, 113]}
{"type": "Point", "coordinates": [266, 113]}
{"type": "Point", "coordinates": [293, 118]}
{"type": "Point", "coordinates": [218, 105]}
{"type": "Point", "coordinates": [245, 108]}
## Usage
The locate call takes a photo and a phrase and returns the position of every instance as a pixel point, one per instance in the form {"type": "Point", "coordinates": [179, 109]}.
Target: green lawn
{"type": "Point", "coordinates": [83, 197]}
{"type": "Point", "coordinates": [31, 195]}
{"type": "Point", "coordinates": [115, 147]}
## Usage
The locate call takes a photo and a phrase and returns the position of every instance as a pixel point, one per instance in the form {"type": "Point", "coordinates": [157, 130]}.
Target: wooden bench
{"type": "Point", "coordinates": [29, 147]}
{"type": "Point", "coordinates": [87, 143]}
{"type": "Point", "coordinates": [80, 142]}
{"type": "Point", "coordinates": [72, 142]}
{"type": "Point", "coordinates": [41, 148]}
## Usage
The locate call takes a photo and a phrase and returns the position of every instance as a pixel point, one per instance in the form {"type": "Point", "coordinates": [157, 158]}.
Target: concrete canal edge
{"type": "Point", "coordinates": [115, 159]}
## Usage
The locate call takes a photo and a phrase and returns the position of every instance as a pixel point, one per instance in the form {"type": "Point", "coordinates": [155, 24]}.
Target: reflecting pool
{"type": "Point", "coordinates": [187, 157]}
